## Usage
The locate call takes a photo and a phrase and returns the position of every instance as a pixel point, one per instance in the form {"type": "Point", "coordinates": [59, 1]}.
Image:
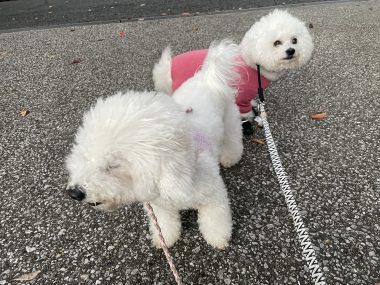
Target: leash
{"type": "Point", "coordinates": [308, 252]}
{"type": "Point", "coordinates": [163, 244]}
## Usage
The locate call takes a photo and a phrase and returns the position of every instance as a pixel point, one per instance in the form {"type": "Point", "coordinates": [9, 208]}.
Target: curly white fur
{"type": "Point", "coordinates": [139, 146]}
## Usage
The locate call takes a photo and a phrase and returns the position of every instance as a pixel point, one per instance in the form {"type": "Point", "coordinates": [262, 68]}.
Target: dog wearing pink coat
{"type": "Point", "coordinates": [278, 42]}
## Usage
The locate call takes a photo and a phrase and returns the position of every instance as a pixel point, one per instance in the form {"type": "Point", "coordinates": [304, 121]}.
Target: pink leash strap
{"type": "Point", "coordinates": [163, 244]}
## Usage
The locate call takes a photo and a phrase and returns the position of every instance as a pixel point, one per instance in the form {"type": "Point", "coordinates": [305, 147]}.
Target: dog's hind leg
{"type": "Point", "coordinates": [232, 148]}
{"type": "Point", "coordinates": [214, 217]}
{"type": "Point", "coordinates": [170, 224]}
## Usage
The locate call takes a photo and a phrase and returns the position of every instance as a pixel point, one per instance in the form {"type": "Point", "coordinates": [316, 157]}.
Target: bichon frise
{"type": "Point", "coordinates": [277, 42]}
{"type": "Point", "coordinates": [151, 147]}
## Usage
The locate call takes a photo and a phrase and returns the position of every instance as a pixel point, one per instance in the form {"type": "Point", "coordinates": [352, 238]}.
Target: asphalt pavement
{"type": "Point", "coordinates": [15, 14]}
{"type": "Point", "coordinates": [333, 164]}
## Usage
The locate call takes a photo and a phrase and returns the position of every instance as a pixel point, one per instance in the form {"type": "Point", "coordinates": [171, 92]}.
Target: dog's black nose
{"type": "Point", "coordinates": [290, 51]}
{"type": "Point", "coordinates": [76, 193]}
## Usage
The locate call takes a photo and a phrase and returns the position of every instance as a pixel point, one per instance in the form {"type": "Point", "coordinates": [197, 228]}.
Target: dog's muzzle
{"type": "Point", "coordinates": [76, 193]}
{"type": "Point", "coordinates": [290, 53]}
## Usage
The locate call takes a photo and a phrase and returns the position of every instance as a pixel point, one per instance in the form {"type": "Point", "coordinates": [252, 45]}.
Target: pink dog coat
{"type": "Point", "coordinates": [185, 65]}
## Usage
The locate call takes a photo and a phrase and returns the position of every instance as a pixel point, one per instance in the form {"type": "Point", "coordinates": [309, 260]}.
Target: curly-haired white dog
{"type": "Point", "coordinates": [277, 42]}
{"type": "Point", "coordinates": [151, 147]}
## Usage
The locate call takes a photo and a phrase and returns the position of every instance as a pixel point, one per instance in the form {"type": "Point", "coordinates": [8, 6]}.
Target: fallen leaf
{"type": "Point", "coordinates": [27, 277]}
{"type": "Point", "coordinates": [318, 116]}
{"type": "Point", "coordinates": [311, 26]}
{"type": "Point", "coordinates": [185, 14]}
{"type": "Point", "coordinates": [24, 113]}
{"type": "Point", "coordinates": [76, 61]}
{"type": "Point", "coordinates": [259, 141]}
{"type": "Point", "coordinates": [121, 34]}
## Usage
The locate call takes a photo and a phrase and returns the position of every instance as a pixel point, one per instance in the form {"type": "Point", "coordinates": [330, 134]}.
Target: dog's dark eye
{"type": "Point", "coordinates": [111, 167]}
{"type": "Point", "coordinates": [277, 43]}
{"type": "Point", "coordinates": [294, 41]}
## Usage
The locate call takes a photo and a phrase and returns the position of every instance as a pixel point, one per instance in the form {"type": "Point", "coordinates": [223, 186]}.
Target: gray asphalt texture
{"type": "Point", "coordinates": [333, 164]}
{"type": "Point", "coordinates": [36, 13]}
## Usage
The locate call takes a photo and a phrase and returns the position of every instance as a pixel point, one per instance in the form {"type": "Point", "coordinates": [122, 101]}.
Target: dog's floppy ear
{"type": "Point", "coordinates": [136, 178]}
{"type": "Point", "coordinates": [144, 186]}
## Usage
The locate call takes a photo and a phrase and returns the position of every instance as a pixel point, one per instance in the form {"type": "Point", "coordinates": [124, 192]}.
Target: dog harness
{"type": "Point", "coordinates": [201, 142]}
{"type": "Point", "coordinates": [185, 65]}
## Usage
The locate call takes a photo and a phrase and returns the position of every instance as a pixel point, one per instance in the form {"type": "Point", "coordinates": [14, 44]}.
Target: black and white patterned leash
{"type": "Point", "coordinates": [308, 251]}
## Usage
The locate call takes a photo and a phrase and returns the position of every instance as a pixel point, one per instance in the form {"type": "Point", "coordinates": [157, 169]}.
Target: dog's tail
{"type": "Point", "coordinates": [219, 67]}
{"type": "Point", "coordinates": [162, 73]}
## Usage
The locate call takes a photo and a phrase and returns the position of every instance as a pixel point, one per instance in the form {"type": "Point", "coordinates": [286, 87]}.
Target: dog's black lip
{"type": "Point", "coordinates": [95, 204]}
{"type": "Point", "coordinates": [289, 57]}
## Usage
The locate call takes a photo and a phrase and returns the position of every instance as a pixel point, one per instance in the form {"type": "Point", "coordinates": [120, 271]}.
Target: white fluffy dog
{"type": "Point", "coordinates": [277, 42]}
{"type": "Point", "coordinates": [151, 147]}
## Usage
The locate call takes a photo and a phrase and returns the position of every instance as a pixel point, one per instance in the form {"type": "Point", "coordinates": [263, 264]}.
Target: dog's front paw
{"type": "Point", "coordinates": [169, 240]}
{"type": "Point", "coordinates": [156, 242]}
{"type": "Point", "coordinates": [215, 224]}
{"type": "Point", "coordinates": [231, 156]}
{"type": "Point", "coordinates": [218, 243]}
{"type": "Point", "coordinates": [228, 161]}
